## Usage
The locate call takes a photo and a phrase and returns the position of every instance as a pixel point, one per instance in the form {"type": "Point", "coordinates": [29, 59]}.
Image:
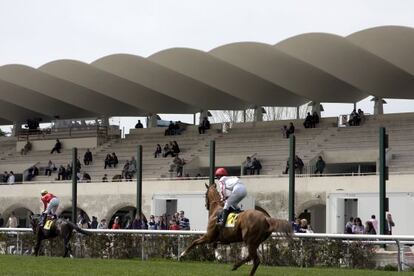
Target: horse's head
{"type": "Point", "coordinates": [34, 221]}
{"type": "Point", "coordinates": [212, 195]}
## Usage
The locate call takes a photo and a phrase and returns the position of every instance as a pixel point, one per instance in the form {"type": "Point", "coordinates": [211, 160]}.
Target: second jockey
{"type": "Point", "coordinates": [232, 191]}
{"type": "Point", "coordinates": [50, 203]}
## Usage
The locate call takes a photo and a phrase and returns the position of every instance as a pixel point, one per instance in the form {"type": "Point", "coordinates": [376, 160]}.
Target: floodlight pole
{"type": "Point", "coordinates": [383, 177]}
{"type": "Point", "coordinates": [74, 184]}
{"type": "Point", "coordinates": [212, 161]}
{"type": "Point", "coordinates": [139, 180]}
{"type": "Point", "coordinates": [292, 142]}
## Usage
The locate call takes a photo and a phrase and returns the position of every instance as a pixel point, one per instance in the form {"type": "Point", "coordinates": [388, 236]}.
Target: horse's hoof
{"type": "Point", "coordinates": [71, 256]}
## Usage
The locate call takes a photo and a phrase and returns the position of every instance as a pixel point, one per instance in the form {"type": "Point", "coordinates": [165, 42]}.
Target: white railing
{"type": "Point", "coordinates": [398, 240]}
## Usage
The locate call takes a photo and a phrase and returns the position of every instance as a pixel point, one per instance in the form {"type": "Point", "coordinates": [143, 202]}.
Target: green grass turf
{"type": "Point", "coordinates": [27, 265]}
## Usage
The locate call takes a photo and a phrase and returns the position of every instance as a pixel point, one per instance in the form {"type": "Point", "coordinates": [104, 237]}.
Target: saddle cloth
{"type": "Point", "coordinates": [49, 223]}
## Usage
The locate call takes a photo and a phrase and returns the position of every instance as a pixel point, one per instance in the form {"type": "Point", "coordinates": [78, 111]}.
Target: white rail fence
{"type": "Point", "coordinates": [399, 240]}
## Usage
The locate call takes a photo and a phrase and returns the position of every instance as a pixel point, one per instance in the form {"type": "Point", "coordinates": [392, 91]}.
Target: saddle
{"type": "Point", "coordinates": [231, 218]}
{"type": "Point", "coordinates": [48, 223]}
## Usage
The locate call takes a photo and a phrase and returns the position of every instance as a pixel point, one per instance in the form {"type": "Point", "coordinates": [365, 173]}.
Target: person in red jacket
{"type": "Point", "coordinates": [50, 203]}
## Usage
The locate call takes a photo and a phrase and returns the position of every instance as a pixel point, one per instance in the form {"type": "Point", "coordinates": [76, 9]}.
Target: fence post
{"type": "Point", "coordinates": [212, 161]}
{"type": "Point", "coordinates": [292, 177]}
{"type": "Point", "coordinates": [74, 184]}
{"type": "Point", "coordinates": [399, 255]}
{"type": "Point", "coordinates": [139, 180]}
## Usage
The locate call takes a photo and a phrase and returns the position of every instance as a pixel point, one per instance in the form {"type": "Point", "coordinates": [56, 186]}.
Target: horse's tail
{"type": "Point", "coordinates": [79, 230]}
{"type": "Point", "coordinates": [280, 226]}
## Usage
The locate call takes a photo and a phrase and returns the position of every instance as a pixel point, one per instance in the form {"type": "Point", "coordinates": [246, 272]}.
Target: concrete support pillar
{"type": "Point", "coordinates": [378, 105]}
{"type": "Point", "coordinates": [316, 107]}
{"type": "Point", "coordinates": [258, 114]}
{"type": "Point", "coordinates": [152, 121]}
{"type": "Point", "coordinates": [17, 126]}
{"type": "Point", "coordinates": [105, 121]}
{"type": "Point", "coordinates": [297, 112]}
{"type": "Point", "coordinates": [203, 114]}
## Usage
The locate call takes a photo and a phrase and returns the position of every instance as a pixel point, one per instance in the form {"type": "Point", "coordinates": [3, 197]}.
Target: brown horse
{"type": "Point", "coordinates": [60, 228]}
{"type": "Point", "coordinates": [252, 227]}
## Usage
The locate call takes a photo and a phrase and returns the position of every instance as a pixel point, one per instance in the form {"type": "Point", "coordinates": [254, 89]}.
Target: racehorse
{"type": "Point", "coordinates": [60, 228]}
{"type": "Point", "coordinates": [251, 227]}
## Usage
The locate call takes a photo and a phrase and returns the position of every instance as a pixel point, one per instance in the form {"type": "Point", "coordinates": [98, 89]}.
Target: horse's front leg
{"type": "Point", "coordinates": [66, 241]}
{"type": "Point", "coordinates": [202, 240]}
{"type": "Point", "coordinates": [37, 246]}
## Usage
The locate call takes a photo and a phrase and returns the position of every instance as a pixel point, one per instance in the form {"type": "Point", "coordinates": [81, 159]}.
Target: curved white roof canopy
{"type": "Point", "coordinates": [65, 91]}
{"type": "Point", "coordinates": [226, 77]}
{"type": "Point", "coordinates": [286, 71]}
{"type": "Point", "coordinates": [181, 94]}
{"type": "Point", "coordinates": [348, 62]}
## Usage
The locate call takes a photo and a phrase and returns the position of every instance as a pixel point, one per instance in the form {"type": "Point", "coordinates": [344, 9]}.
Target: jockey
{"type": "Point", "coordinates": [232, 191]}
{"type": "Point", "coordinates": [50, 202]}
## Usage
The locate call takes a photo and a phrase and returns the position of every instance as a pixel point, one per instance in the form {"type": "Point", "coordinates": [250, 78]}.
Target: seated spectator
{"type": "Point", "coordinates": [5, 177]}
{"type": "Point", "coordinates": [357, 228]}
{"type": "Point", "coordinates": [57, 147]}
{"type": "Point", "coordinates": [247, 166]}
{"type": "Point", "coordinates": [125, 170]}
{"type": "Point", "coordinates": [61, 173]}
{"type": "Point", "coordinates": [133, 163]}
{"type": "Point", "coordinates": [68, 172]}
{"type": "Point", "coordinates": [108, 161]}
{"type": "Point", "coordinates": [167, 151]}
{"type": "Point", "coordinates": [102, 224]}
{"type": "Point", "coordinates": [290, 130]}
{"type": "Point", "coordinates": [205, 124]}
{"type": "Point", "coordinates": [114, 160]}
{"type": "Point", "coordinates": [315, 119]}
{"type": "Point", "coordinates": [170, 130]}
{"type": "Point", "coordinates": [178, 165]}
{"type": "Point", "coordinates": [354, 119]}
{"type": "Point", "coordinates": [50, 168]}
{"type": "Point", "coordinates": [175, 148]}
{"type": "Point", "coordinates": [87, 158]}
{"type": "Point", "coordinates": [285, 131]}
{"type": "Point", "coordinates": [11, 178]}
{"type": "Point", "coordinates": [361, 115]}
{"type": "Point", "coordinates": [256, 166]}
{"type": "Point", "coordinates": [116, 224]}
{"type": "Point", "coordinates": [105, 178]}
{"type": "Point", "coordinates": [117, 178]}
{"type": "Point", "coordinates": [308, 121]}
{"type": "Point", "coordinates": [320, 165]}
{"type": "Point", "coordinates": [158, 151]}
{"type": "Point", "coordinates": [94, 222]}
{"type": "Point", "coordinates": [299, 164]}
{"type": "Point", "coordinates": [178, 128]}
{"type": "Point", "coordinates": [27, 147]}
{"type": "Point", "coordinates": [139, 124]}
{"type": "Point", "coordinates": [131, 170]}
{"type": "Point", "coordinates": [86, 177]}
{"type": "Point", "coordinates": [369, 228]}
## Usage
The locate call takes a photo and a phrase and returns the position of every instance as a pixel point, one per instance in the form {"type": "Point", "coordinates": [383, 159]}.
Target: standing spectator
{"type": "Point", "coordinates": [105, 178]}
{"type": "Point", "coordinates": [348, 226]}
{"type": "Point", "coordinates": [87, 158]}
{"type": "Point", "coordinates": [102, 224]}
{"type": "Point", "coordinates": [184, 222]}
{"type": "Point", "coordinates": [175, 148]}
{"type": "Point", "coordinates": [158, 151]}
{"type": "Point", "coordinates": [152, 224]}
{"type": "Point", "coordinates": [290, 130]}
{"type": "Point", "coordinates": [108, 161]}
{"type": "Point", "coordinates": [11, 178]}
{"type": "Point", "coordinates": [125, 170]}
{"type": "Point", "coordinates": [205, 124]}
{"type": "Point", "coordinates": [94, 222]}
{"type": "Point", "coordinates": [178, 164]}
{"type": "Point", "coordinates": [174, 225]}
{"type": "Point", "coordinates": [299, 164]}
{"type": "Point", "coordinates": [308, 121]}
{"type": "Point", "coordinates": [170, 129]}
{"type": "Point", "coordinates": [12, 222]}
{"type": "Point", "coordinates": [358, 228]}
{"type": "Point", "coordinates": [5, 176]}
{"type": "Point", "coordinates": [256, 166]}
{"type": "Point", "coordinates": [178, 128]}
{"type": "Point", "coordinates": [139, 222]}
{"type": "Point", "coordinates": [132, 169]}
{"type": "Point", "coordinates": [57, 147]}
{"type": "Point", "coordinates": [247, 167]}
{"type": "Point", "coordinates": [133, 163]}
{"type": "Point", "coordinates": [389, 224]}
{"type": "Point", "coordinates": [285, 131]}
{"type": "Point", "coordinates": [139, 124]}
{"type": "Point", "coordinates": [315, 119]}
{"type": "Point", "coordinates": [78, 165]}
{"type": "Point", "coordinates": [162, 223]}
{"type": "Point", "coordinates": [116, 224]}
{"type": "Point", "coordinates": [369, 228]}
{"type": "Point", "coordinates": [50, 167]}
{"type": "Point", "coordinates": [68, 172]}
{"type": "Point", "coordinates": [374, 222]}
{"type": "Point", "coordinates": [83, 220]}
{"type": "Point", "coordinates": [361, 115]}
{"type": "Point", "coordinates": [320, 165]}
{"type": "Point", "coordinates": [27, 147]}
{"type": "Point", "coordinates": [305, 227]}
{"type": "Point", "coordinates": [61, 173]}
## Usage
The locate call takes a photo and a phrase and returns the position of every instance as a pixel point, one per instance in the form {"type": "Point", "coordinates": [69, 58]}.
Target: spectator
{"type": "Point", "coordinates": [133, 163]}
{"type": "Point", "coordinates": [290, 130]}
{"type": "Point", "coordinates": [374, 222]}
{"type": "Point", "coordinates": [116, 224]}
{"type": "Point", "coordinates": [12, 222]}
{"type": "Point", "coordinates": [389, 224]}
{"type": "Point", "coordinates": [296, 225]}
{"type": "Point", "coordinates": [256, 166]}
{"type": "Point", "coordinates": [174, 225]}
{"type": "Point", "coordinates": [108, 161]}
{"type": "Point", "coordinates": [170, 130]}
{"type": "Point", "coordinates": [305, 227]}
{"type": "Point", "coordinates": [30, 175]}
{"type": "Point", "coordinates": [178, 128]}
{"type": "Point", "coordinates": [175, 148]}
{"type": "Point", "coordinates": [50, 167]}
{"type": "Point", "coordinates": [132, 169]}
{"type": "Point", "coordinates": [184, 222]}
{"type": "Point", "coordinates": [178, 165]}
{"type": "Point", "coordinates": [139, 222]}
{"type": "Point", "coordinates": [162, 223]}
{"type": "Point", "coordinates": [158, 151]}
{"type": "Point", "coordinates": [86, 177]}
{"type": "Point", "coordinates": [299, 164]}
{"type": "Point", "coordinates": [114, 160]}
{"type": "Point", "coordinates": [357, 228]}
{"type": "Point", "coordinates": [78, 165]}
{"type": "Point", "coordinates": [57, 147]}
{"type": "Point", "coordinates": [369, 228]}
{"type": "Point", "coordinates": [128, 223]}
{"type": "Point", "coordinates": [68, 172]}
{"type": "Point", "coordinates": [125, 170]}
{"type": "Point", "coordinates": [361, 115]}
{"type": "Point", "coordinates": [105, 178]}
{"type": "Point", "coordinates": [167, 151]}
{"type": "Point", "coordinates": [87, 158]}
{"type": "Point", "coordinates": [315, 119]}
{"type": "Point", "coordinates": [320, 165]}
{"type": "Point", "coordinates": [11, 178]}
{"type": "Point", "coordinates": [354, 119]}
{"type": "Point", "coordinates": [285, 131]}
{"type": "Point", "coordinates": [83, 220]}
{"type": "Point", "coordinates": [152, 224]}
{"type": "Point", "coordinates": [308, 123]}
{"type": "Point", "coordinates": [348, 226]}
{"type": "Point", "coordinates": [27, 147]}
{"type": "Point", "coordinates": [1, 221]}
{"type": "Point", "coordinates": [61, 173]}
{"type": "Point", "coordinates": [139, 124]}
{"type": "Point", "coordinates": [102, 224]}
{"type": "Point", "coordinates": [94, 222]}
{"type": "Point", "coordinates": [247, 166]}
{"type": "Point", "coordinates": [5, 176]}
{"type": "Point", "coordinates": [205, 124]}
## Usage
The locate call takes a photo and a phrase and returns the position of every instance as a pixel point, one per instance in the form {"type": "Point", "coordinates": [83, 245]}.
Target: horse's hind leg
{"type": "Point", "coordinates": [256, 259]}
{"type": "Point", "coordinates": [37, 247]}
{"type": "Point", "coordinates": [66, 241]}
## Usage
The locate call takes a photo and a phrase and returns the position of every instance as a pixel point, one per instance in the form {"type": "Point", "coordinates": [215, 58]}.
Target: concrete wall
{"type": "Point", "coordinates": [104, 199]}
{"type": "Point", "coordinates": [37, 145]}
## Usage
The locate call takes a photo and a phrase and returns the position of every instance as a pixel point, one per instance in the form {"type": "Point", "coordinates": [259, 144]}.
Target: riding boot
{"type": "Point", "coordinates": [223, 219]}
{"type": "Point", "coordinates": [42, 219]}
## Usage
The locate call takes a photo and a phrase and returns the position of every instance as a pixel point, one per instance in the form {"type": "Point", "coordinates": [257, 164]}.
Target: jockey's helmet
{"type": "Point", "coordinates": [43, 192]}
{"type": "Point", "coordinates": [221, 172]}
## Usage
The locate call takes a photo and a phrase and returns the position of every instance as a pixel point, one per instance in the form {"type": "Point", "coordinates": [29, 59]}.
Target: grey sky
{"type": "Point", "coordinates": [36, 32]}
